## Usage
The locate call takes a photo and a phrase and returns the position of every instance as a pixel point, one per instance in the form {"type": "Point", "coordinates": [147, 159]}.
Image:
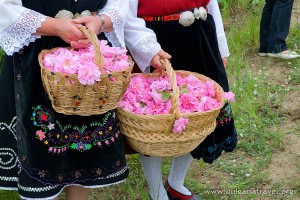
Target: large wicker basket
{"type": "Point", "coordinates": [152, 134]}
{"type": "Point", "coordinates": [70, 97]}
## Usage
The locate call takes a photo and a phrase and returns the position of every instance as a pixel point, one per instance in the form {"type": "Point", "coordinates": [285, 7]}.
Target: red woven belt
{"type": "Point", "coordinates": [162, 18]}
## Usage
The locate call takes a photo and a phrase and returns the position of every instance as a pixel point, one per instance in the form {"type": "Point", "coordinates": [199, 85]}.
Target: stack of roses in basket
{"type": "Point", "coordinates": [151, 96]}
{"type": "Point", "coordinates": [81, 62]}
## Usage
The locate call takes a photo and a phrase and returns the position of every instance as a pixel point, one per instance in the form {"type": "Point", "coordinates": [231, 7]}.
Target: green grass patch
{"type": "Point", "coordinates": [9, 195]}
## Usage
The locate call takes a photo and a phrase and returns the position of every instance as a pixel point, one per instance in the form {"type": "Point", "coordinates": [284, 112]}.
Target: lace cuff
{"type": "Point", "coordinates": [19, 33]}
{"type": "Point", "coordinates": [223, 46]}
{"type": "Point", "coordinates": [116, 37]}
{"type": "Point", "coordinates": [144, 51]}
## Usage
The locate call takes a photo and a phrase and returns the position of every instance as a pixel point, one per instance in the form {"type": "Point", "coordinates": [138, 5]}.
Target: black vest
{"type": "Point", "coordinates": [52, 7]}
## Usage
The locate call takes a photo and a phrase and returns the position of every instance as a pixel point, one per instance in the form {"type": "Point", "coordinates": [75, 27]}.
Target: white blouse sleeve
{"type": "Point", "coordinates": [117, 10]}
{"type": "Point", "coordinates": [213, 9]}
{"type": "Point", "coordinates": [17, 25]}
{"type": "Point", "coordinates": [140, 41]}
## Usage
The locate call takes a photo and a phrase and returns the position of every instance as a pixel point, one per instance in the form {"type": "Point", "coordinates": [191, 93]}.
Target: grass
{"type": "Point", "coordinates": [9, 195]}
{"type": "Point", "coordinates": [257, 115]}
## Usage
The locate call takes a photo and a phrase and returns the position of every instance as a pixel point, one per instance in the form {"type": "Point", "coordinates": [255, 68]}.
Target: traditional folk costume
{"type": "Point", "coordinates": [43, 151]}
{"type": "Point", "coordinates": [193, 33]}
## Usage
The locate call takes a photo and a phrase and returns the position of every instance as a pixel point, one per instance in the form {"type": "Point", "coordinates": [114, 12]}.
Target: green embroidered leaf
{"type": "Point", "coordinates": [73, 146]}
{"type": "Point", "coordinates": [88, 146]}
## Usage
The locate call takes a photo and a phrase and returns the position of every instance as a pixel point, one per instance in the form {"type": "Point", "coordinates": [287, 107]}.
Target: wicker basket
{"type": "Point", "coordinates": [70, 97]}
{"type": "Point", "coordinates": [152, 134]}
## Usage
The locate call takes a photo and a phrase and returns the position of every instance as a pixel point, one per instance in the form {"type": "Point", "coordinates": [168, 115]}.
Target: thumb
{"type": "Point", "coordinates": [164, 54]}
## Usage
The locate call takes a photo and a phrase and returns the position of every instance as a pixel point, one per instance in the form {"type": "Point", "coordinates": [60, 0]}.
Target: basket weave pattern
{"type": "Point", "coordinates": [70, 97]}
{"type": "Point", "coordinates": [152, 134]}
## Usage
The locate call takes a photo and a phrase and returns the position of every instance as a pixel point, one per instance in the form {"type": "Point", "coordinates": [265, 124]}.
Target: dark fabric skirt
{"type": "Point", "coordinates": [195, 48]}
{"type": "Point", "coordinates": [43, 151]}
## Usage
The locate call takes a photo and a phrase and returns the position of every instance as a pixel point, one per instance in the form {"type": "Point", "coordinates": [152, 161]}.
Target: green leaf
{"type": "Point", "coordinates": [165, 96]}
{"type": "Point", "coordinates": [184, 90]}
{"type": "Point", "coordinates": [184, 86]}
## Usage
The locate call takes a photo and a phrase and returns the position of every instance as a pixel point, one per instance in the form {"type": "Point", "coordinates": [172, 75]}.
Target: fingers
{"type": "Point", "coordinates": [82, 20]}
{"type": "Point", "coordinates": [92, 22]}
{"type": "Point", "coordinates": [155, 62]}
{"type": "Point", "coordinates": [80, 44]}
{"type": "Point", "coordinates": [73, 35]}
{"type": "Point", "coordinates": [78, 34]}
{"type": "Point", "coordinates": [164, 54]}
{"type": "Point", "coordinates": [67, 30]}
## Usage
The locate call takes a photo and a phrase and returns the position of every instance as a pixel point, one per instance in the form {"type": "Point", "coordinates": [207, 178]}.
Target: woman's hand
{"type": "Point", "coordinates": [155, 62]}
{"type": "Point", "coordinates": [67, 30]}
{"type": "Point", "coordinates": [64, 28]}
{"type": "Point", "coordinates": [93, 23]}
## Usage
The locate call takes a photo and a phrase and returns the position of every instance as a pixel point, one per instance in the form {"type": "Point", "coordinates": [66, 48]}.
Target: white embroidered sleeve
{"type": "Point", "coordinates": [117, 10]}
{"type": "Point", "coordinates": [140, 41]}
{"type": "Point", "coordinates": [214, 10]}
{"type": "Point", "coordinates": [20, 33]}
{"type": "Point", "coordinates": [143, 52]}
{"type": "Point", "coordinates": [223, 46]}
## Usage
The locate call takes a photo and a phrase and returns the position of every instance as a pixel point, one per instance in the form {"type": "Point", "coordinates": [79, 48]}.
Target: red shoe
{"type": "Point", "coordinates": [175, 195]}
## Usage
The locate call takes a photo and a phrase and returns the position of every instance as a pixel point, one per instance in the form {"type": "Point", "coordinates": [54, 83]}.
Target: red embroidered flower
{"type": "Point", "coordinates": [44, 117]}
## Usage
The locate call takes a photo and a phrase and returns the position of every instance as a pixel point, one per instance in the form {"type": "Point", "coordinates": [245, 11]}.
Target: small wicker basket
{"type": "Point", "coordinates": [152, 134]}
{"type": "Point", "coordinates": [70, 97]}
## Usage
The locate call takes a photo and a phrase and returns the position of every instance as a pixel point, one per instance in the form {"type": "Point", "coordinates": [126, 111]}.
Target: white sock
{"type": "Point", "coordinates": [152, 171]}
{"type": "Point", "coordinates": [180, 166]}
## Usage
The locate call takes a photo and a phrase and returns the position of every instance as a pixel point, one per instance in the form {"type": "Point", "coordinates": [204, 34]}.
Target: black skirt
{"type": "Point", "coordinates": [195, 48]}
{"type": "Point", "coordinates": [43, 151]}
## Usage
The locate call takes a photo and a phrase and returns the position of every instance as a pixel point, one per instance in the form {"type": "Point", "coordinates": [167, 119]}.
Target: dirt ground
{"type": "Point", "coordinates": [284, 169]}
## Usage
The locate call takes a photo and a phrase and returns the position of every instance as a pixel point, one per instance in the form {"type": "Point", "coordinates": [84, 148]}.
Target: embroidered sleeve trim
{"type": "Point", "coordinates": [19, 34]}
{"type": "Point", "coordinates": [116, 37]}
{"type": "Point", "coordinates": [144, 51]}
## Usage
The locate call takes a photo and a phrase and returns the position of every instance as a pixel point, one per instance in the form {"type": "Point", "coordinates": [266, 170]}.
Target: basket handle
{"type": "Point", "coordinates": [175, 96]}
{"type": "Point", "coordinates": [92, 37]}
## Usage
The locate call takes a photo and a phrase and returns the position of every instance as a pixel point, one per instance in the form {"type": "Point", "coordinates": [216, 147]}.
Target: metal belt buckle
{"type": "Point", "coordinates": [70, 15]}
{"type": "Point", "coordinates": [188, 17]}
